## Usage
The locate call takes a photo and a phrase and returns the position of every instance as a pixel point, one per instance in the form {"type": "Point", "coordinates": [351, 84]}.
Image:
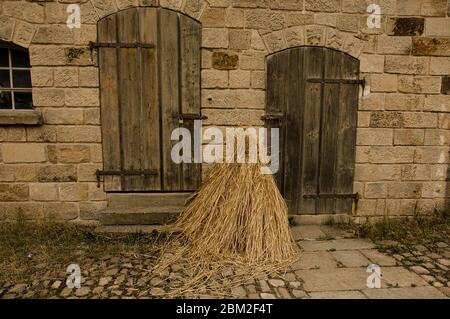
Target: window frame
{"type": "Point", "coordinates": [14, 116]}
{"type": "Point", "coordinates": [10, 68]}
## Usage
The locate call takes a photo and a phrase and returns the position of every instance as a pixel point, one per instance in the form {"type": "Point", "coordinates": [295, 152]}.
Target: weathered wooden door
{"type": "Point", "coordinates": [149, 60]}
{"type": "Point", "coordinates": [313, 95]}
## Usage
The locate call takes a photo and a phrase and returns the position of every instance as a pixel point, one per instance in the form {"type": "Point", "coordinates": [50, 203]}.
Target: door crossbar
{"type": "Point", "coordinates": [337, 81]}
{"type": "Point", "coordinates": [95, 45]}
{"type": "Point", "coordinates": [143, 173]}
{"type": "Point", "coordinates": [355, 196]}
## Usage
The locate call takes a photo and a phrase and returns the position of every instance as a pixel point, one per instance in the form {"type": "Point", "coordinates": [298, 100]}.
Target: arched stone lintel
{"type": "Point", "coordinates": [193, 9]}
{"type": "Point", "coordinates": [19, 32]}
{"type": "Point", "coordinates": [16, 31]}
{"type": "Point", "coordinates": [314, 35]}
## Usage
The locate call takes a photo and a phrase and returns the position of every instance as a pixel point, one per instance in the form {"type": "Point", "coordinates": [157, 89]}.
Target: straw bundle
{"type": "Point", "coordinates": [234, 230]}
{"type": "Point", "coordinates": [238, 213]}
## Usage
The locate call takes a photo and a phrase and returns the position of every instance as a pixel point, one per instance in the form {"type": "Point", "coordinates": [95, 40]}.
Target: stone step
{"type": "Point", "coordinates": [134, 215]}
{"type": "Point", "coordinates": [130, 229]}
{"type": "Point", "coordinates": [147, 199]}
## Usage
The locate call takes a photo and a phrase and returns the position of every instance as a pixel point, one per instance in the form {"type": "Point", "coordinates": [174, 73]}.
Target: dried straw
{"type": "Point", "coordinates": [237, 224]}
{"type": "Point", "coordinates": [238, 212]}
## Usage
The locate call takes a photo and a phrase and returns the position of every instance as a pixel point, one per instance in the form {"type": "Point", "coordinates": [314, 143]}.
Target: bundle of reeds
{"type": "Point", "coordinates": [238, 213]}
{"type": "Point", "coordinates": [234, 230]}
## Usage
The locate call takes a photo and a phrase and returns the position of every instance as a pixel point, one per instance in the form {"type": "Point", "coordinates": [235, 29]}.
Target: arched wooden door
{"type": "Point", "coordinates": [149, 60]}
{"type": "Point", "coordinates": [313, 94]}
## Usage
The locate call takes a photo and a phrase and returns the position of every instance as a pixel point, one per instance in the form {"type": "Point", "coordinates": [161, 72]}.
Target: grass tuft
{"type": "Point", "coordinates": [24, 245]}
{"type": "Point", "coordinates": [405, 231]}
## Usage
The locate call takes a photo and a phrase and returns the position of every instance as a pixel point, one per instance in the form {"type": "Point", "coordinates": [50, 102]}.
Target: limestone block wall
{"type": "Point", "coordinates": [403, 120]}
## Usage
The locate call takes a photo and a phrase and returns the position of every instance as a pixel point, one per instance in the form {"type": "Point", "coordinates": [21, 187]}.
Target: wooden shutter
{"type": "Point", "coordinates": [316, 90]}
{"type": "Point", "coordinates": [149, 61]}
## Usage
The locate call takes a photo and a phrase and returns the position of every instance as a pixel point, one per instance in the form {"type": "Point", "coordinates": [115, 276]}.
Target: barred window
{"type": "Point", "coordinates": [15, 78]}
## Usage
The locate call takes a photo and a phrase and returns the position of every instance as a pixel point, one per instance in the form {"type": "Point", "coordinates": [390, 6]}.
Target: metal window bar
{"type": "Point", "coordinates": [11, 80]}
{"type": "Point", "coordinates": [14, 68]}
{"type": "Point", "coordinates": [17, 89]}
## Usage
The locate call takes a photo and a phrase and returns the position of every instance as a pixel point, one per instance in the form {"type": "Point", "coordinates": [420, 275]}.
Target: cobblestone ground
{"type": "Point", "coordinates": [332, 265]}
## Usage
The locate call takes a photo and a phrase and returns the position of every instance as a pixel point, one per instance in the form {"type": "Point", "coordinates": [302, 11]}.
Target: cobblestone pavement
{"type": "Point", "coordinates": [332, 265]}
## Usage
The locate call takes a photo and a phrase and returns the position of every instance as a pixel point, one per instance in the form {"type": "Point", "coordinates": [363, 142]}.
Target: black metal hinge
{"type": "Point", "coordinates": [189, 116]}
{"type": "Point", "coordinates": [96, 45]}
{"type": "Point", "coordinates": [145, 172]}
{"type": "Point", "coordinates": [272, 117]}
{"type": "Point", "coordinates": [339, 81]}
{"type": "Point", "coordinates": [355, 196]}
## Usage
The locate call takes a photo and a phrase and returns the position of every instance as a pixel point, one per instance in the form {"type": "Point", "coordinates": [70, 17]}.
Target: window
{"type": "Point", "coordinates": [16, 102]}
{"type": "Point", "coordinates": [15, 78]}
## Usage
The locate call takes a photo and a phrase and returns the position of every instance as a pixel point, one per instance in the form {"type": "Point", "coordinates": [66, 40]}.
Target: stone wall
{"type": "Point", "coordinates": [403, 124]}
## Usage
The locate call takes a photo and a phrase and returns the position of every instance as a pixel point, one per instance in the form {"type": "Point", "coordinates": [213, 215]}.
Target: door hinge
{"type": "Point", "coordinates": [355, 196]}
{"type": "Point", "coordinates": [96, 45]}
{"type": "Point", "coordinates": [336, 81]}
{"type": "Point", "coordinates": [361, 82]}
{"type": "Point", "coordinates": [181, 117]}
{"type": "Point", "coordinates": [273, 117]}
{"type": "Point", "coordinates": [143, 173]}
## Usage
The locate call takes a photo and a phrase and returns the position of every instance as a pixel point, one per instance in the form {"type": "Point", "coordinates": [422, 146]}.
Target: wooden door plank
{"type": "Point", "coordinates": [276, 104]}
{"type": "Point", "coordinates": [190, 38]}
{"type": "Point", "coordinates": [314, 65]}
{"type": "Point", "coordinates": [130, 99]}
{"type": "Point", "coordinates": [314, 68]}
{"type": "Point", "coordinates": [330, 116]}
{"type": "Point", "coordinates": [310, 154]}
{"type": "Point", "coordinates": [346, 141]}
{"type": "Point", "coordinates": [294, 127]}
{"type": "Point", "coordinates": [170, 94]}
{"type": "Point", "coordinates": [150, 121]}
{"type": "Point", "coordinates": [107, 32]}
